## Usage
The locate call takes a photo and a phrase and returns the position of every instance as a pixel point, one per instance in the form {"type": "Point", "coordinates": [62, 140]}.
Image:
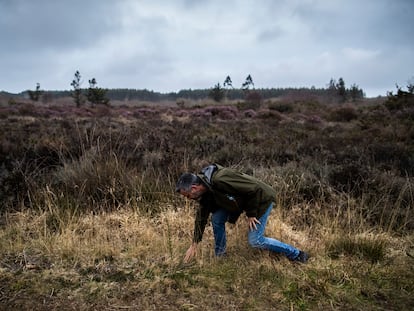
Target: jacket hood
{"type": "Point", "coordinates": [206, 174]}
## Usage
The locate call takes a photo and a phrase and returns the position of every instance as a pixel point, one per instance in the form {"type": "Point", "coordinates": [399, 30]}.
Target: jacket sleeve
{"type": "Point", "coordinates": [201, 218]}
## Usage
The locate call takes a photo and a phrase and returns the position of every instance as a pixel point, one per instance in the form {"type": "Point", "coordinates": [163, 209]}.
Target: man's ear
{"type": "Point", "coordinates": [197, 187]}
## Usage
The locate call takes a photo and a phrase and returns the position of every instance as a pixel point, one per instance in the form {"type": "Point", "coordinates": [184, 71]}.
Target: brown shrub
{"type": "Point", "coordinates": [343, 114]}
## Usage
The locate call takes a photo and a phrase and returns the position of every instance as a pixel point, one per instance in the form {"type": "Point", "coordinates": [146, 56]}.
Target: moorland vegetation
{"type": "Point", "coordinates": [90, 220]}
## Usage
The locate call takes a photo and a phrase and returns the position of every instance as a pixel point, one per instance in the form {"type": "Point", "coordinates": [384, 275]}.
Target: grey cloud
{"type": "Point", "coordinates": [367, 23]}
{"type": "Point", "coordinates": [271, 33]}
{"type": "Point", "coordinates": [57, 25]}
{"type": "Point", "coordinates": [171, 44]}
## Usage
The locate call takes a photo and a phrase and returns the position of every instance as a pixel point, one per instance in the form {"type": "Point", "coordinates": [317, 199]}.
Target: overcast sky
{"type": "Point", "coordinates": [169, 45]}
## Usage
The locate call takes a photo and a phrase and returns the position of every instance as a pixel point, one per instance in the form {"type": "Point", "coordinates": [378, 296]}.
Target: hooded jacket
{"type": "Point", "coordinates": [234, 191]}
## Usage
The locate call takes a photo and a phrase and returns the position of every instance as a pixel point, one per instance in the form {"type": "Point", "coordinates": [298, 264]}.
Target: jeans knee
{"type": "Point", "coordinates": [255, 241]}
{"type": "Point", "coordinates": [218, 223]}
{"type": "Point", "coordinates": [219, 219]}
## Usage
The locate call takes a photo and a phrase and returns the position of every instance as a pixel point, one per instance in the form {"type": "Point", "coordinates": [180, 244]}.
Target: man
{"type": "Point", "coordinates": [226, 193]}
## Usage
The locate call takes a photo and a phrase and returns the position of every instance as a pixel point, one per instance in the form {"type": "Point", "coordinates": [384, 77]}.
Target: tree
{"type": "Point", "coordinates": [355, 92]}
{"type": "Point", "coordinates": [228, 82]}
{"type": "Point", "coordinates": [77, 91]}
{"type": "Point", "coordinates": [249, 82]}
{"type": "Point", "coordinates": [401, 100]}
{"type": "Point", "coordinates": [35, 95]}
{"type": "Point", "coordinates": [253, 98]}
{"type": "Point", "coordinates": [332, 84]}
{"type": "Point", "coordinates": [340, 86]}
{"type": "Point", "coordinates": [410, 85]}
{"type": "Point", "coordinates": [96, 95]}
{"type": "Point", "coordinates": [332, 87]}
{"type": "Point", "coordinates": [217, 93]}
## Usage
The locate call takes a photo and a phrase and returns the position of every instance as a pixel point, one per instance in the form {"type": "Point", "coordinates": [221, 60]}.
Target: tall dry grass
{"type": "Point", "coordinates": [131, 259]}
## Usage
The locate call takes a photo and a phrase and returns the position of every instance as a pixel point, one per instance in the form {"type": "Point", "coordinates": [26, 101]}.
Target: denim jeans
{"type": "Point", "coordinates": [256, 237]}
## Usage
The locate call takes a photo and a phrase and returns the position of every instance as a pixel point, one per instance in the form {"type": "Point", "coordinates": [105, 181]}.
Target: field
{"type": "Point", "coordinates": [90, 221]}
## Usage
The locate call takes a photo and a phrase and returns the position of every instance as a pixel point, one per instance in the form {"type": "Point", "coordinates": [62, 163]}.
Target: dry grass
{"type": "Point", "coordinates": [130, 260]}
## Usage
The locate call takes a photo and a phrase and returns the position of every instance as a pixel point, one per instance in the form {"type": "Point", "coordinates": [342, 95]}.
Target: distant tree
{"type": "Point", "coordinates": [35, 95]}
{"type": "Point", "coordinates": [332, 87]}
{"type": "Point", "coordinates": [217, 93]}
{"type": "Point", "coordinates": [96, 95]}
{"type": "Point", "coordinates": [228, 82]}
{"type": "Point", "coordinates": [77, 91]}
{"type": "Point", "coordinates": [253, 99]}
{"type": "Point", "coordinates": [401, 100]}
{"type": "Point", "coordinates": [355, 92]}
{"type": "Point", "coordinates": [248, 83]}
{"type": "Point", "coordinates": [410, 85]}
{"type": "Point", "coordinates": [332, 84]}
{"type": "Point", "coordinates": [340, 86]}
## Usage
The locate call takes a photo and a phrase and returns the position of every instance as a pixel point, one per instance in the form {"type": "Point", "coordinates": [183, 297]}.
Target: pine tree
{"type": "Point", "coordinates": [228, 82]}
{"type": "Point", "coordinates": [77, 91]}
{"type": "Point", "coordinates": [96, 95]}
{"type": "Point", "coordinates": [249, 82]}
{"type": "Point", "coordinates": [217, 93]}
{"type": "Point", "coordinates": [35, 95]}
{"type": "Point", "coordinates": [341, 89]}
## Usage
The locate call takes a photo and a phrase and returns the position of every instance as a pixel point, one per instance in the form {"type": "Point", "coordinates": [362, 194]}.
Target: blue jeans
{"type": "Point", "coordinates": [256, 237]}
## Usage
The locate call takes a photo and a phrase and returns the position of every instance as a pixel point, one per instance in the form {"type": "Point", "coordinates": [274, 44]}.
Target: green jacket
{"type": "Point", "coordinates": [234, 191]}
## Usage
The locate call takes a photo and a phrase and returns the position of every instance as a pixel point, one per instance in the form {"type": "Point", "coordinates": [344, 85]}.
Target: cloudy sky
{"type": "Point", "coordinates": [169, 45]}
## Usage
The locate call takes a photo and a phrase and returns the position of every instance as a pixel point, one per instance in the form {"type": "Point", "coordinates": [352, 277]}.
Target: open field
{"type": "Point", "coordinates": [89, 219]}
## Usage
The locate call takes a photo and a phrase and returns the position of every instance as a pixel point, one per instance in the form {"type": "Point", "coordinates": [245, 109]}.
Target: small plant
{"type": "Point", "coordinates": [349, 177]}
{"type": "Point", "coordinates": [12, 102]}
{"type": "Point", "coordinates": [253, 99]}
{"type": "Point", "coordinates": [282, 107]}
{"type": "Point", "coordinates": [344, 114]}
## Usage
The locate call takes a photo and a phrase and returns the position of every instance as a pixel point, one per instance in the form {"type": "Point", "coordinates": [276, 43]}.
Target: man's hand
{"type": "Point", "coordinates": [253, 221]}
{"type": "Point", "coordinates": [191, 252]}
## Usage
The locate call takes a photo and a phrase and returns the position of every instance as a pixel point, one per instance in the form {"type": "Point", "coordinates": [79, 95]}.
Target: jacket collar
{"type": "Point", "coordinates": [206, 174]}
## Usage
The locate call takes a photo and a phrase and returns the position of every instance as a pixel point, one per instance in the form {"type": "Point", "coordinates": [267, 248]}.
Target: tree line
{"type": "Point", "coordinates": [247, 91]}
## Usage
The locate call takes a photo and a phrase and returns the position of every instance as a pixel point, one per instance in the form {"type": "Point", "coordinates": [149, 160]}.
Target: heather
{"type": "Point", "coordinates": [90, 218]}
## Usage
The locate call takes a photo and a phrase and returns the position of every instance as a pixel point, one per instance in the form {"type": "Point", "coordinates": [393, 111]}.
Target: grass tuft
{"type": "Point", "coordinates": [371, 247]}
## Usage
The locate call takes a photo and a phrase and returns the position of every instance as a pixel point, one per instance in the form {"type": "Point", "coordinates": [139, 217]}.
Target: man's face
{"type": "Point", "coordinates": [195, 192]}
